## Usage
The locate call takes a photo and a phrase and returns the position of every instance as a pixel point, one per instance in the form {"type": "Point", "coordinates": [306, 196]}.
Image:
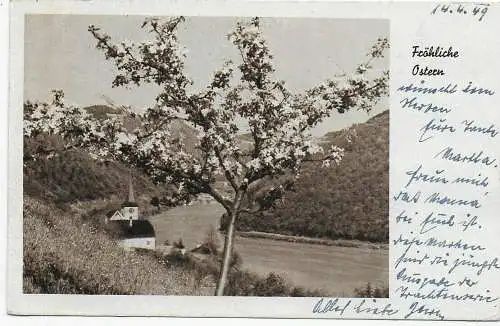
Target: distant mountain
{"type": "Point", "coordinates": [188, 135]}
{"type": "Point", "coordinates": [179, 128]}
{"type": "Point", "coordinates": [378, 120]}
{"type": "Point", "coordinates": [101, 111]}
{"type": "Point", "coordinates": [349, 201]}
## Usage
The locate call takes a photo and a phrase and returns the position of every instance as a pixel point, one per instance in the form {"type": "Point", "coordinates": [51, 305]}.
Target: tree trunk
{"type": "Point", "coordinates": [228, 246]}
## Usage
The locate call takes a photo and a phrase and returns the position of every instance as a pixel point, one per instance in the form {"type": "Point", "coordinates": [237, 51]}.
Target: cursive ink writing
{"type": "Point", "coordinates": [422, 107]}
{"type": "Point", "coordinates": [478, 10]}
{"type": "Point", "coordinates": [422, 281]}
{"type": "Point", "coordinates": [470, 222]}
{"type": "Point", "coordinates": [443, 294]}
{"type": "Point", "coordinates": [438, 125]}
{"type": "Point", "coordinates": [433, 220]}
{"type": "Point", "coordinates": [418, 176]}
{"type": "Point", "coordinates": [469, 89]}
{"type": "Point", "coordinates": [365, 307]}
{"type": "Point", "coordinates": [418, 309]}
{"type": "Point", "coordinates": [437, 198]}
{"type": "Point", "coordinates": [479, 181]}
{"type": "Point", "coordinates": [471, 127]}
{"type": "Point", "coordinates": [411, 88]}
{"type": "Point", "coordinates": [479, 267]}
{"type": "Point", "coordinates": [441, 251]}
{"type": "Point", "coordinates": [370, 307]}
{"type": "Point", "coordinates": [437, 242]}
{"type": "Point", "coordinates": [449, 153]}
{"type": "Point", "coordinates": [331, 305]}
{"type": "Point", "coordinates": [407, 197]}
{"type": "Point", "coordinates": [405, 258]}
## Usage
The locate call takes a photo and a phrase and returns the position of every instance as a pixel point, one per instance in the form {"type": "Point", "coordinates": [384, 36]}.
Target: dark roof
{"type": "Point", "coordinates": [121, 229]}
{"type": "Point", "coordinates": [110, 213]}
{"type": "Point", "coordinates": [129, 204]}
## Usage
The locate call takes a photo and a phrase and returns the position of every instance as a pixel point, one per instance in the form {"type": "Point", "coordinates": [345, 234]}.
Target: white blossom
{"type": "Point", "coordinates": [279, 122]}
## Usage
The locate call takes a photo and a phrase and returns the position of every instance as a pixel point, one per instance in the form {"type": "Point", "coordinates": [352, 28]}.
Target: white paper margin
{"type": "Point", "coordinates": [409, 16]}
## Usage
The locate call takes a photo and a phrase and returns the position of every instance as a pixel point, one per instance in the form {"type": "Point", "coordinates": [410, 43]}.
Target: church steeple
{"type": "Point", "coordinates": [130, 188]}
{"type": "Point", "coordinates": [129, 200]}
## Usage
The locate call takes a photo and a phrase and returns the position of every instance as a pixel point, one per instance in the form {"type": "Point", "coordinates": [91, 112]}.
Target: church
{"type": "Point", "coordinates": [126, 226]}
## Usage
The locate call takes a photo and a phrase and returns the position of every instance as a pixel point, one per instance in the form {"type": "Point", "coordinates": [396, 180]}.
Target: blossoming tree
{"type": "Point", "coordinates": [278, 121]}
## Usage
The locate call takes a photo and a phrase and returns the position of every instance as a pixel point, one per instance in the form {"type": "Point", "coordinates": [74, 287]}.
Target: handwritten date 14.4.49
{"type": "Point", "coordinates": [477, 10]}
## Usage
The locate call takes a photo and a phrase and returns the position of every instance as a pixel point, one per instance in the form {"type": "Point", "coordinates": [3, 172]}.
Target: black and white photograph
{"type": "Point", "coordinates": [206, 156]}
{"type": "Point", "coordinates": [292, 160]}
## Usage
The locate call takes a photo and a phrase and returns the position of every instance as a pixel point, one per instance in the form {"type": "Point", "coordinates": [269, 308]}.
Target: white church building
{"type": "Point", "coordinates": [128, 228]}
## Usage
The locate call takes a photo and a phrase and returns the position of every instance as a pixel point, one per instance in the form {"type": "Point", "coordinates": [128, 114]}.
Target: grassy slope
{"type": "Point", "coordinates": [349, 201]}
{"type": "Point", "coordinates": [65, 256]}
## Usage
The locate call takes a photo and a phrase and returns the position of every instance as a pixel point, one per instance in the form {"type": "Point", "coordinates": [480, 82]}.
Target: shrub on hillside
{"type": "Point", "coordinates": [372, 291]}
{"type": "Point", "coordinates": [179, 244]}
{"type": "Point", "coordinates": [245, 283]}
{"type": "Point", "coordinates": [212, 241]}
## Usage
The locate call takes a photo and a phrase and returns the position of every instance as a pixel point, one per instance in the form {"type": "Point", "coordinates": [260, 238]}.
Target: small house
{"type": "Point", "coordinates": [140, 235]}
{"type": "Point", "coordinates": [128, 228]}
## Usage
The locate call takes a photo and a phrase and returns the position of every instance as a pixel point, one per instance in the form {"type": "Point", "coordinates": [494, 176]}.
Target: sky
{"type": "Point", "coordinates": [60, 53]}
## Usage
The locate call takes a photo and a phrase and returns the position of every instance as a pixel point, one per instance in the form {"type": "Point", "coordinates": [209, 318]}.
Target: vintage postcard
{"type": "Point", "coordinates": [254, 159]}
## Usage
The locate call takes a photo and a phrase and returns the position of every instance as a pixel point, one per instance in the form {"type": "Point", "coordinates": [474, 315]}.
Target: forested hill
{"type": "Point", "coordinates": [73, 176]}
{"type": "Point", "coordinates": [349, 201]}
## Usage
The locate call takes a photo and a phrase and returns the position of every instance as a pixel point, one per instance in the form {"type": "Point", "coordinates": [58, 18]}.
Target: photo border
{"type": "Point", "coordinates": [140, 305]}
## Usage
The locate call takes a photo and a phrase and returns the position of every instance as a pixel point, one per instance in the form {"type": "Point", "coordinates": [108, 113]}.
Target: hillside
{"type": "Point", "coordinates": [63, 255]}
{"type": "Point", "coordinates": [73, 176]}
{"type": "Point", "coordinates": [349, 201]}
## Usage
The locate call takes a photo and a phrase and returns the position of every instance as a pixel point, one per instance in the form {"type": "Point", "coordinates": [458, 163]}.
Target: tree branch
{"type": "Point", "coordinates": [218, 197]}
{"type": "Point", "coordinates": [227, 173]}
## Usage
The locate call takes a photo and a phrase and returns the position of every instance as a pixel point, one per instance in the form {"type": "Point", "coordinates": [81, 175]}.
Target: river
{"type": "Point", "coordinates": [338, 270]}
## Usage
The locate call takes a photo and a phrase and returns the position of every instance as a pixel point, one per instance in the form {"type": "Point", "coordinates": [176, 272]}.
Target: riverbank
{"type": "Point", "coordinates": [192, 228]}
{"type": "Point", "coordinates": [324, 242]}
{"type": "Point", "coordinates": [338, 267]}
